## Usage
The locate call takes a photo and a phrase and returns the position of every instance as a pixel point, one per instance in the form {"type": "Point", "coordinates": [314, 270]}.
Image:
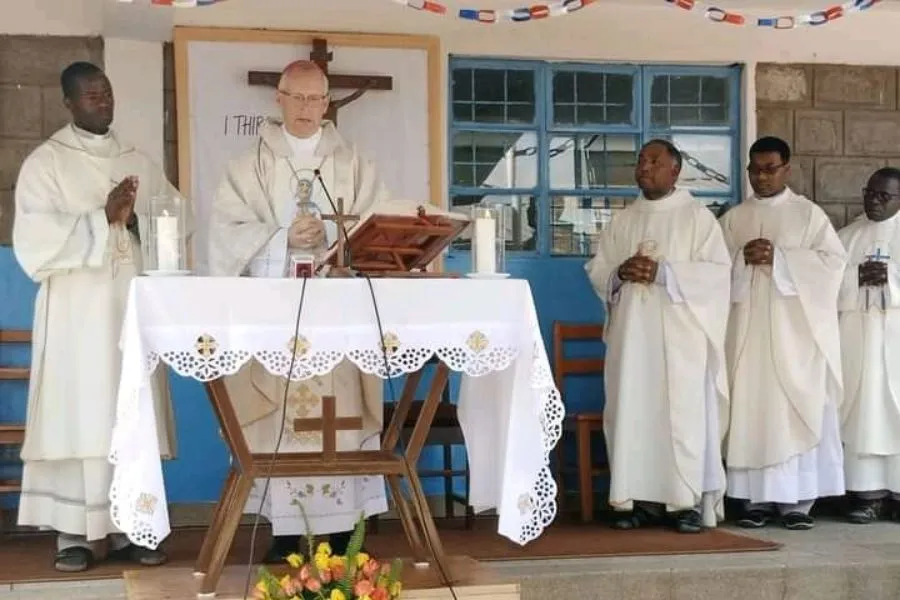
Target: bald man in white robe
{"type": "Point", "coordinates": [267, 210]}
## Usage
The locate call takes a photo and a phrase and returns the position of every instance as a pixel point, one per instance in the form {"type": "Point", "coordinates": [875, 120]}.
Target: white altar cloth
{"type": "Point", "coordinates": [204, 327]}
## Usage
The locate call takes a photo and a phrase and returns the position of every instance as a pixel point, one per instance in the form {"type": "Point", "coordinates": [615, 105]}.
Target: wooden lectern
{"type": "Point", "coordinates": [381, 245]}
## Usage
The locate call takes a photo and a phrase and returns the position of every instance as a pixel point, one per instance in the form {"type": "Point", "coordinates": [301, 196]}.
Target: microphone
{"type": "Point", "coordinates": [347, 254]}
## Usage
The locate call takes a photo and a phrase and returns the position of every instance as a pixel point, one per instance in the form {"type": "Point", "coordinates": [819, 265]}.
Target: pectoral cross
{"type": "Point", "coordinates": [878, 256]}
{"type": "Point", "coordinates": [340, 218]}
{"type": "Point", "coordinates": [329, 424]}
{"type": "Point", "coordinates": [320, 55]}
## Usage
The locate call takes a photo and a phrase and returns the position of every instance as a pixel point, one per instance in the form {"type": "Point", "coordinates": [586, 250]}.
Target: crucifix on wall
{"type": "Point", "coordinates": [321, 55]}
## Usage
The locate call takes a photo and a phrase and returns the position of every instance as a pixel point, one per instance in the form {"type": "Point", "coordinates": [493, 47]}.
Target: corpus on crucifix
{"type": "Point", "coordinates": [321, 56]}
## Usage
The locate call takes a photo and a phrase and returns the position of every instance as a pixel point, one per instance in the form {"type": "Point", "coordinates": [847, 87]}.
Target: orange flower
{"type": "Point", "coordinates": [379, 594]}
{"type": "Point", "coordinates": [370, 568]}
{"type": "Point", "coordinates": [304, 573]}
{"type": "Point", "coordinates": [313, 585]}
{"type": "Point", "coordinates": [288, 586]}
{"type": "Point", "coordinates": [325, 575]}
{"type": "Point", "coordinates": [338, 571]}
{"type": "Point", "coordinates": [362, 588]}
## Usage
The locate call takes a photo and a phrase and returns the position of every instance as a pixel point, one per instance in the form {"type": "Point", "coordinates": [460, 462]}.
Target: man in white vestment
{"type": "Point", "coordinates": [82, 208]}
{"type": "Point", "coordinates": [662, 270]}
{"type": "Point", "coordinates": [267, 209]}
{"type": "Point", "coordinates": [869, 312]}
{"type": "Point", "coordinates": [783, 350]}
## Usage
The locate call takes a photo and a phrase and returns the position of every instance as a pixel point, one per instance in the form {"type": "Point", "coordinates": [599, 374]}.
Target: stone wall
{"type": "Point", "coordinates": [842, 123]}
{"type": "Point", "coordinates": [31, 106]}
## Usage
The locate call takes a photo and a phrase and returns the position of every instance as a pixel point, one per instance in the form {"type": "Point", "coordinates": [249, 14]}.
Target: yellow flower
{"type": "Point", "coordinates": [261, 591]}
{"type": "Point", "coordinates": [324, 548]}
{"type": "Point", "coordinates": [295, 560]}
{"type": "Point", "coordinates": [322, 562]}
{"type": "Point", "coordinates": [336, 561]}
{"type": "Point", "coordinates": [337, 594]}
{"type": "Point", "coordinates": [361, 559]}
{"type": "Point", "coordinates": [396, 588]}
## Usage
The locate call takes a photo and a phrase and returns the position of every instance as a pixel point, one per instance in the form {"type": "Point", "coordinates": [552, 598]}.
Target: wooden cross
{"type": "Point", "coordinates": [320, 55]}
{"type": "Point", "coordinates": [329, 425]}
{"type": "Point", "coordinates": [340, 218]}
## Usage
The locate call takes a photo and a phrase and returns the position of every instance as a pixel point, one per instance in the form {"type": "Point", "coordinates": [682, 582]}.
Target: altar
{"type": "Point", "coordinates": [206, 328]}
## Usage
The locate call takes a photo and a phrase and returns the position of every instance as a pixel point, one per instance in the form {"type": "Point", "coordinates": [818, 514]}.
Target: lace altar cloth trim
{"type": "Point", "coordinates": [476, 358]}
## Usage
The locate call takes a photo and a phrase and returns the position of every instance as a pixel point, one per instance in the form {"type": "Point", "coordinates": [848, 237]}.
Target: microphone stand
{"type": "Point", "coordinates": [343, 259]}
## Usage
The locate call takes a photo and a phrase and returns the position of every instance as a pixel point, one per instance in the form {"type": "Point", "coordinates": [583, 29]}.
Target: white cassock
{"type": "Point", "coordinates": [870, 343]}
{"type": "Point", "coordinates": [666, 393]}
{"type": "Point", "coordinates": [62, 240]}
{"type": "Point", "coordinates": [784, 354]}
{"type": "Point", "coordinates": [252, 211]}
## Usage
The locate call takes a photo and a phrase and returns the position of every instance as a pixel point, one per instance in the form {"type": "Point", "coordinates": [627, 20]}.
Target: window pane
{"type": "Point", "coordinates": [577, 220]}
{"type": "Point", "coordinates": [708, 161]}
{"type": "Point", "coordinates": [593, 161]}
{"type": "Point", "coordinates": [520, 223]}
{"type": "Point", "coordinates": [689, 100]}
{"type": "Point", "coordinates": [588, 98]}
{"type": "Point", "coordinates": [496, 160]}
{"type": "Point", "coordinates": [493, 95]}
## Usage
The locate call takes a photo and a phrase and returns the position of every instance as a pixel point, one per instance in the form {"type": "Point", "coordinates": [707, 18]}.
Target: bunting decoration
{"type": "Point", "coordinates": [533, 12]}
{"type": "Point", "coordinates": [818, 17]}
{"type": "Point", "coordinates": [176, 3]}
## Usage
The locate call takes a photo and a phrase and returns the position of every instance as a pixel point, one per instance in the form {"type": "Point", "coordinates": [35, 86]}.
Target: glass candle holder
{"type": "Point", "coordinates": [166, 247]}
{"type": "Point", "coordinates": [489, 239]}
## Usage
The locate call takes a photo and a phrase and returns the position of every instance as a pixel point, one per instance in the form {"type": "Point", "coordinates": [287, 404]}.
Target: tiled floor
{"type": "Point", "coordinates": [834, 561]}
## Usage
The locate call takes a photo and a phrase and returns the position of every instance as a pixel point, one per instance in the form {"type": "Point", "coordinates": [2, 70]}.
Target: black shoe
{"type": "Point", "coordinates": [637, 518]}
{"type": "Point", "coordinates": [73, 560]}
{"type": "Point", "coordinates": [687, 521]}
{"type": "Point", "coordinates": [282, 546]}
{"type": "Point", "coordinates": [138, 555]}
{"type": "Point", "coordinates": [797, 521]}
{"type": "Point", "coordinates": [754, 519]}
{"type": "Point", "coordinates": [864, 512]}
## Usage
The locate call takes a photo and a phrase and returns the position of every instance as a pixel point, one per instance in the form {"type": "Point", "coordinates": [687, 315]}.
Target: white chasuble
{"type": "Point", "coordinates": [870, 351]}
{"type": "Point", "coordinates": [252, 211]}
{"type": "Point", "coordinates": [784, 354]}
{"type": "Point", "coordinates": [666, 392]}
{"type": "Point", "coordinates": [63, 242]}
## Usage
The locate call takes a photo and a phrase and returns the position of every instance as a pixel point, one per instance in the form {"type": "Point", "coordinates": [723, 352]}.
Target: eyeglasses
{"type": "Point", "coordinates": [304, 98]}
{"type": "Point", "coordinates": [879, 195]}
{"type": "Point", "coordinates": [767, 170]}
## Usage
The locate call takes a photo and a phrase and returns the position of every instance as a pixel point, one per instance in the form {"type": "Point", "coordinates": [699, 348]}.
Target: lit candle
{"type": "Point", "coordinates": [485, 243]}
{"type": "Point", "coordinates": [167, 252]}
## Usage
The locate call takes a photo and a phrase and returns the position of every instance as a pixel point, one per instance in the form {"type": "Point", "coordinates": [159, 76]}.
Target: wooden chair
{"type": "Point", "coordinates": [581, 424]}
{"type": "Point", "coordinates": [13, 434]}
{"type": "Point", "coordinates": [446, 433]}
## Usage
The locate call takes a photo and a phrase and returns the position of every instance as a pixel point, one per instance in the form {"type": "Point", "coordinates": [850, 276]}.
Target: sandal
{"type": "Point", "coordinates": [73, 560]}
{"type": "Point", "coordinates": [136, 554]}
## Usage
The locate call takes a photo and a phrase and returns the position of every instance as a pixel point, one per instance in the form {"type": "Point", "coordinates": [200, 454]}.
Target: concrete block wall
{"type": "Point", "coordinates": [31, 106]}
{"type": "Point", "coordinates": [842, 123]}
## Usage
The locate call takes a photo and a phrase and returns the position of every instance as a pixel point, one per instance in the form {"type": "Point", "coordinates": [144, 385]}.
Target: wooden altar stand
{"type": "Point", "coordinates": [382, 246]}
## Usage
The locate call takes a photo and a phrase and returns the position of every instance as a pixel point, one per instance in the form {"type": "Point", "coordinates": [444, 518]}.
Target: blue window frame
{"type": "Point", "coordinates": [556, 143]}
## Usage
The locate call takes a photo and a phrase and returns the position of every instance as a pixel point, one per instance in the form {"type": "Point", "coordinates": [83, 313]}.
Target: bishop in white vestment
{"type": "Point", "coordinates": [869, 307]}
{"type": "Point", "coordinates": [264, 212]}
{"type": "Point", "coordinates": [662, 270]}
{"type": "Point", "coordinates": [81, 215]}
{"type": "Point", "coordinates": [784, 448]}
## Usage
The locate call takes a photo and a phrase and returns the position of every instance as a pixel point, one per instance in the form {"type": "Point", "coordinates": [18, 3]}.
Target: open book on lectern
{"type": "Point", "coordinates": [398, 236]}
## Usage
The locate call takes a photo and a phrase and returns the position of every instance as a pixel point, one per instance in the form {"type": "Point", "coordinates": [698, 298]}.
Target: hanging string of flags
{"type": "Point", "coordinates": [818, 17]}
{"type": "Point", "coordinates": [514, 15]}
{"type": "Point", "coordinates": [178, 3]}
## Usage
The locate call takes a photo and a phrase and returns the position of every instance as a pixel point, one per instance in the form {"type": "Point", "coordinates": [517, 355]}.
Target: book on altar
{"type": "Point", "coordinates": [398, 236]}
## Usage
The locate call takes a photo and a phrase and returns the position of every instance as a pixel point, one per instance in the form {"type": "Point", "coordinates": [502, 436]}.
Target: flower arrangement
{"type": "Point", "coordinates": [325, 576]}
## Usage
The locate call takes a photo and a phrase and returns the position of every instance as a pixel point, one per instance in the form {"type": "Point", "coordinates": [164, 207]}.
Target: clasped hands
{"type": "Point", "coordinates": [759, 252]}
{"type": "Point", "coordinates": [120, 201]}
{"type": "Point", "coordinates": [307, 232]}
{"type": "Point", "coordinates": [638, 269]}
{"type": "Point", "coordinates": [873, 273]}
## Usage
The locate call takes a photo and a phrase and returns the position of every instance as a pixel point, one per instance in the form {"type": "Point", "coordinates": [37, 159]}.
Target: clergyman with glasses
{"type": "Point", "coordinates": [869, 313]}
{"type": "Point", "coordinates": [783, 351]}
{"type": "Point", "coordinates": [268, 208]}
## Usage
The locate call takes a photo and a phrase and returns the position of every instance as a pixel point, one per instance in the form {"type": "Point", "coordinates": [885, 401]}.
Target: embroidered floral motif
{"type": "Point", "coordinates": [206, 346]}
{"type": "Point", "coordinates": [146, 503]}
{"type": "Point", "coordinates": [390, 343]}
{"type": "Point", "coordinates": [302, 401]}
{"type": "Point", "coordinates": [298, 346]}
{"type": "Point", "coordinates": [333, 490]}
{"type": "Point", "coordinates": [477, 342]}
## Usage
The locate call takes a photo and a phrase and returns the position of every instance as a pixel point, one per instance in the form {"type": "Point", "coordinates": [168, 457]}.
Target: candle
{"type": "Point", "coordinates": [485, 243]}
{"type": "Point", "coordinates": [167, 251]}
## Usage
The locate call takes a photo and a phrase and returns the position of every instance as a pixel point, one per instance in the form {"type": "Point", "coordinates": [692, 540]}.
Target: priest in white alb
{"type": "Point", "coordinates": [784, 358]}
{"type": "Point", "coordinates": [267, 211]}
{"type": "Point", "coordinates": [81, 215]}
{"type": "Point", "coordinates": [662, 271]}
{"type": "Point", "coordinates": [869, 308]}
